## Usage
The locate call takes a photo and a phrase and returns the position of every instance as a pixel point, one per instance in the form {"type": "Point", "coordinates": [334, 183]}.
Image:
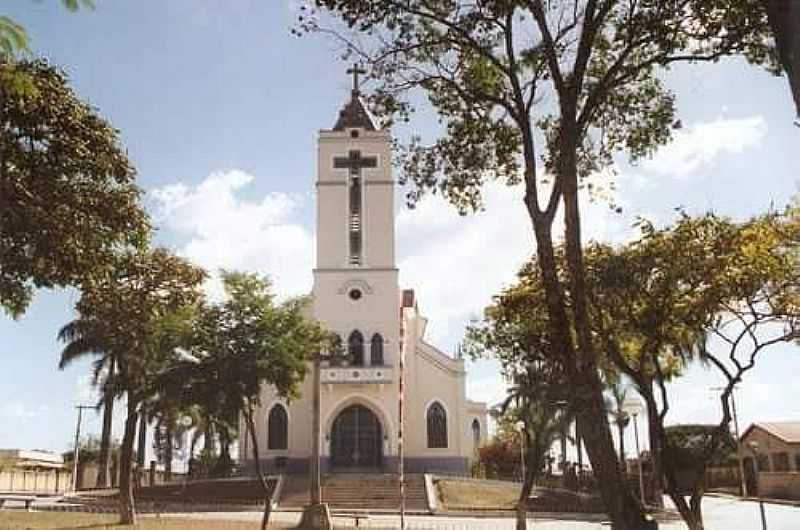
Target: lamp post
{"type": "Point", "coordinates": [316, 515]}
{"type": "Point", "coordinates": [520, 429]}
{"type": "Point", "coordinates": [633, 405]}
{"type": "Point", "coordinates": [754, 448]}
{"type": "Point", "coordinates": [739, 458]}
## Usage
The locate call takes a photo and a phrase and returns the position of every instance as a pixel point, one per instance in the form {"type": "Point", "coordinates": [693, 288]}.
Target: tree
{"type": "Point", "coordinates": [516, 83]}
{"type": "Point", "coordinates": [68, 199]}
{"type": "Point", "coordinates": [662, 297]}
{"type": "Point", "coordinates": [784, 18]}
{"type": "Point", "coordinates": [248, 341]}
{"type": "Point", "coordinates": [536, 400]}
{"type": "Point", "coordinates": [140, 307]}
{"type": "Point", "coordinates": [80, 342]}
{"type": "Point", "coordinates": [685, 451]}
{"type": "Point", "coordinates": [539, 389]}
{"type": "Point", "coordinates": [619, 416]}
{"type": "Point", "coordinates": [14, 38]}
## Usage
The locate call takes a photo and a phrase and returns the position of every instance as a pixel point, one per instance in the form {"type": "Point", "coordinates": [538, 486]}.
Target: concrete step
{"type": "Point", "coordinates": [361, 491]}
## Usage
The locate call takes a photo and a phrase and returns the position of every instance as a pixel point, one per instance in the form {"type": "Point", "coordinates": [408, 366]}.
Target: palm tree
{"type": "Point", "coordinates": [619, 416]}
{"type": "Point", "coordinates": [80, 342]}
{"type": "Point", "coordinates": [536, 399]}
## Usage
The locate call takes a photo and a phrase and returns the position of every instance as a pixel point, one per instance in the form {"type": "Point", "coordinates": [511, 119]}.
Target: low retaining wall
{"type": "Point", "coordinates": [779, 485]}
{"type": "Point", "coordinates": [51, 481]}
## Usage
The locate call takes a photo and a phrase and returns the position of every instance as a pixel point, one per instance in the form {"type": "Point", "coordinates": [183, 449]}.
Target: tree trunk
{"type": "Point", "coordinates": [622, 463]}
{"type": "Point", "coordinates": [622, 507]}
{"type": "Point", "coordinates": [527, 485]}
{"type": "Point", "coordinates": [656, 450]}
{"type": "Point", "coordinates": [127, 510]}
{"type": "Point", "coordinates": [251, 427]}
{"type": "Point", "coordinates": [169, 437]}
{"type": "Point", "coordinates": [104, 458]}
{"type": "Point", "coordinates": [691, 515]}
{"type": "Point", "coordinates": [208, 438]}
{"type": "Point", "coordinates": [784, 19]}
{"type": "Point", "coordinates": [579, 447]}
{"type": "Point", "coordinates": [141, 447]}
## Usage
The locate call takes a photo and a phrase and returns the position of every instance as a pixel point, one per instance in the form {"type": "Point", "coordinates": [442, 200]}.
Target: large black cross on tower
{"type": "Point", "coordinates": [354, 162]}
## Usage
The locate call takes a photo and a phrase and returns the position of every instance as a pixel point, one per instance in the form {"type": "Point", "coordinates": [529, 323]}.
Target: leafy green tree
{"type": "Point", "coordinates": [68, 200]}
{"type": "Point", "coordinates": [139, 307]}
{"type": "Point", "coordinates": [539, 390]}
{"type": "Point", "coordinates": [542, 93]}
{"type": "Point", "coordinates": [686, 450]}
{"type": "Point", "coordinates": [247, 341]}
{"type": "Point", "coordinates": [661, 298]}
{"type": "Point", "coordinates": [80, 343]}
{"type": "Point", "coordinates": [536, 400]}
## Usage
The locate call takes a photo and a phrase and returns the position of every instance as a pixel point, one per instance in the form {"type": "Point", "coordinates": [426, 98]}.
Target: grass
{"type": "Point", "coordinates": [10, 520]}
{"type": "Point", "coordinates": [474, 494]}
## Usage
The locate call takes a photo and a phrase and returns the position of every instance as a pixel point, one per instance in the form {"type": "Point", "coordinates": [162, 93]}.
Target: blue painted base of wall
{"type": "Point", "coordinates": [451, 465]}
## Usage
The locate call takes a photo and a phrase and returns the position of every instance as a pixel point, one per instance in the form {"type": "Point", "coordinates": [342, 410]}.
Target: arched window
{"type": "Point", "coordinates": [376, 350]}
{"type": "Point", "coordinates": [278, 428]}
{"type": "Point", "coordinates": [355, 348]}
{"type": "Point", "coordinates": [437, 426]}
{"type": "Point", "coordinates": [476, 433]}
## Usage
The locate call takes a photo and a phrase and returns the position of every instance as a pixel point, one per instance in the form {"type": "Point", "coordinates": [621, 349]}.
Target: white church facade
{"type": "Point", "coordinates": [356, 294]}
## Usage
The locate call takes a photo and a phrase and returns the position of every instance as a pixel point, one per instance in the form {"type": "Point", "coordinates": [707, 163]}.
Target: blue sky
{"type": "Point", "coordinates": [218, 106]}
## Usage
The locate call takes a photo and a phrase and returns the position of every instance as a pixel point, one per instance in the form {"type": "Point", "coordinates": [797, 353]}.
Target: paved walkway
{"type": "Point", "coordinates": [720, 514]}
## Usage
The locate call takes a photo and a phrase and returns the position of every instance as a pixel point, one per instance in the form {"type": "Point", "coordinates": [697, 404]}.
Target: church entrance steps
{"type": "Point", "coordinates": [357, 492]}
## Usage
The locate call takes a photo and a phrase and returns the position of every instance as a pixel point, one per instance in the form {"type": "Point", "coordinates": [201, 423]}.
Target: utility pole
{"type": "Point", "coordinates": [76, 449]}
{"type": "Point", "coordinates": [739, 458]}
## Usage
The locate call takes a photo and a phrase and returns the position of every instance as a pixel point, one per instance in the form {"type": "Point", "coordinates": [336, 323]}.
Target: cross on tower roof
{"type": "Point", "coordinates": [355, 70]}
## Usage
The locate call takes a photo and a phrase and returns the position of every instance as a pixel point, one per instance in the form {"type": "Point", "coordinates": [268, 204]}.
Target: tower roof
{"type": "Point", "coordinates": [355, 114]}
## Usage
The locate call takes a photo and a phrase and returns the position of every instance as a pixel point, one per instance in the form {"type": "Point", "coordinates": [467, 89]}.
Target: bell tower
{"type": "Point", "coordinates": [355, 279]}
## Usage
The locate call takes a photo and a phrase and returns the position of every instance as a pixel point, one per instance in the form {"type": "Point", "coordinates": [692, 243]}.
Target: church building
{"type": "Point", "coordinates": [356, 295]}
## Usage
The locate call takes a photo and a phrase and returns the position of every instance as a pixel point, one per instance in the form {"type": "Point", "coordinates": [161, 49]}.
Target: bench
{"type": "Point", "coordinates": [28, 500]}
{"type": "Point", "coordinates": [357, 517]}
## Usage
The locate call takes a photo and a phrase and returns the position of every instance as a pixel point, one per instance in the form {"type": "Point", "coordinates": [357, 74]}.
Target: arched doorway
{"type": "Point", "coordinates": [356, 439]}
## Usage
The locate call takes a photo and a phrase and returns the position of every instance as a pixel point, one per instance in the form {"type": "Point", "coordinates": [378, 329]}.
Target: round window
{"type": "Point", "coordinates": [355, 294]}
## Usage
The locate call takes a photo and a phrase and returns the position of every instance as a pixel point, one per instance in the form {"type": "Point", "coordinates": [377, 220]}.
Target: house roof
{"type": "Point", "coordinates": [787, 431]}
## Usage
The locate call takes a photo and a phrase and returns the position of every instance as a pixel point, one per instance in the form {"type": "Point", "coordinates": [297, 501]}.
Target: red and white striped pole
{"type": "Point", "coordinates": [400, 429]}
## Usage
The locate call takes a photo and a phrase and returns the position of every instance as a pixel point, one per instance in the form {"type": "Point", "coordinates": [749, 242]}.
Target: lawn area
{"type": "Point", "coordinates": [10, 520]}
{"type": "Point", "coordinates": [477, 494]}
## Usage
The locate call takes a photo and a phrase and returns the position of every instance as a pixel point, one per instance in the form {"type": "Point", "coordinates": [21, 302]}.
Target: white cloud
{"type": "Point", "coordinates": [699, 145]}
{"type": "Point", "coordinates": [456, 263]}
{"type": "Point", "coordinates": [17, 410]}
{"type": "Point", "coordinates": [226, 230]}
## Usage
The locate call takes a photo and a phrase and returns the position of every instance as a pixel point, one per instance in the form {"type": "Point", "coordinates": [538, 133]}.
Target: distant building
{"type": "Point", "coordinates": [33, 471]}
{"type": "Point", "coordinates": [31, 459]}
{"type": "Point", "coordinates": [778, 455]}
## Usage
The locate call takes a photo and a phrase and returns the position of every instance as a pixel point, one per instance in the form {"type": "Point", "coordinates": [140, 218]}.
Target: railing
{"type": "Point", "coordinates": [356, 374]}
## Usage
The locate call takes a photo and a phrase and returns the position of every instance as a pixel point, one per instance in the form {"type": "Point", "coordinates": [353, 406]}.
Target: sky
{"type": "Point", "coordinates": [219, 105]}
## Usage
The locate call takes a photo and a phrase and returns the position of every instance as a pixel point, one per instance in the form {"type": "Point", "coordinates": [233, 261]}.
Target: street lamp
{"type": "Point", "coordinates": [754, 448]}
{"type": "Point", "coordinates": [521, 429]}
{"type": "Point", "coordinates": [633, 405]}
